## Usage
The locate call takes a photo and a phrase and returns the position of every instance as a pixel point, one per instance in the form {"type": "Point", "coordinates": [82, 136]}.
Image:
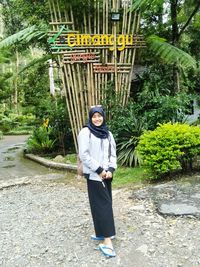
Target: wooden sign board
{"type": "Point", "coordinates": [86, 57]}
{"type": "Point", "coordinates": [69, 41]}
{"type": "Point", "coordinates": [110, 68]}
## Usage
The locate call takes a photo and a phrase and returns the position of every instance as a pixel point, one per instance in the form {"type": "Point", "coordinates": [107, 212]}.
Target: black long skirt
{"type": "Point", "coordinates": [100, 199]}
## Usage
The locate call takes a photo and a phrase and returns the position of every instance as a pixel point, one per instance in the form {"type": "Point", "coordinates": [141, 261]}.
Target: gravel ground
{"type": "Point", "coordinates": [46, 222]}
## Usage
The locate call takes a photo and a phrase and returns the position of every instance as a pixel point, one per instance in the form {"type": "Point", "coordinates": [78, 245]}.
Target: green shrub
{"type": "Point", "coordinates": [127, 154]}
{"type": "Point", "coordinates": [12, 122]}
{"type": "Point", "coordinates": [6, 124]}
{"type": "Point", "coordinates": [170, 147]}
{"type": "Point", "coordinates": [41, 141]}
{"type": "Point", "coordinates": [1, 135]}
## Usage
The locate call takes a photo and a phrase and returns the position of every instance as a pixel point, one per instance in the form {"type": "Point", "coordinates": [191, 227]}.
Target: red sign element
{"type": "Point", "coordinates": [104, 69]}
{"type": "Point", "coordinates": [85, 57]}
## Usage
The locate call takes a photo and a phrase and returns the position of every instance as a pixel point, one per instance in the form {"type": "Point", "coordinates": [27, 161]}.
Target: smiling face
{"type": "Point", "coordinates": [97, 119]}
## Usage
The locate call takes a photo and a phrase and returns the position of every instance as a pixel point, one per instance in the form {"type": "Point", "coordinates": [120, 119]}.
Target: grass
{"type": "Point", "coordinates": [125, 176]}
{"type": "Point", "coordinates": [21, 130]}
{"type": "Point", "coordinates": [71, 158]}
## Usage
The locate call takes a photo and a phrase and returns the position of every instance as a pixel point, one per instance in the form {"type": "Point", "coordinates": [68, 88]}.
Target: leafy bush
{"type": "Point", "coordinates": [56, 112]}
{"type": "Point", "coordinates": [1, 135]}
{"type": "Point", "coordinates": [6, 124]}
{"type": "Point", "coordinates": [127, 154]}
{"type": "Point", "coordinates": [170, 147]}
{"type": "Point", "coordinates": [13, 123]}
{"type": "Point", "coordinates": [41, 141]}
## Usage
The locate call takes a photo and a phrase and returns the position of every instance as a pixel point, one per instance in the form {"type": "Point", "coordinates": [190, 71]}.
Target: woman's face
{"type": "Point", "coordinates": [97, 119]}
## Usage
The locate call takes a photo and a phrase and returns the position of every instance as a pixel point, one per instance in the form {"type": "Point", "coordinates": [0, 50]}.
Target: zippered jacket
{"type": "Point", "coordinates": [96, 154]}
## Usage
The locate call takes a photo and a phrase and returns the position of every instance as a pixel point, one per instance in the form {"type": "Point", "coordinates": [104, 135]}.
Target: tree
{"type": "Point", "coordinates": [178, 20]}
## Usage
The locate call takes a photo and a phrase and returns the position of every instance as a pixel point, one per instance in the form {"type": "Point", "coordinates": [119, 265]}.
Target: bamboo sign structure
{"type": "Point", "coordinates": [96, 44]}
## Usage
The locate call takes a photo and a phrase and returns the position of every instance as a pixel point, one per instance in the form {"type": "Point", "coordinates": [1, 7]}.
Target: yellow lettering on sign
{"type": "Point", "coordinates": [129, 40]}
{"type": "Point", "coordinates": [96, 40]}
{"type": "Point", "coordinates": [69, 41]}
{"type": "Point", "coordinates": [119, 41]}
{"type": "Point", "coordinates": [104, 39]}
{"type": "Point", "coordinates": [111, 42]}
{"type": "Point", "coordinates": [78, 39]}
{"type": "Point", "coordinates": [85, 39]}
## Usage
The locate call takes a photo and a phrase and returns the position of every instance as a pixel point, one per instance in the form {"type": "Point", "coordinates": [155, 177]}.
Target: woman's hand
{"type": "Point", "coordinates": [108, 175]}
{"type": "Point", "coordinates": [103, 174]}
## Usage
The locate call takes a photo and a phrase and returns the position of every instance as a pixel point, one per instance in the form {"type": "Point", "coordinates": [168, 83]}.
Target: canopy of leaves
{"type": "Point", "coordinates": [169, 53]}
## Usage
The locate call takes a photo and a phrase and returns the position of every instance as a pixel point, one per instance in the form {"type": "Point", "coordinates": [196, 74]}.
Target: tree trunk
{"type": "Point", "coordinates": [175, 37]}
{"type": "Point", "coordinates": [16, 108]}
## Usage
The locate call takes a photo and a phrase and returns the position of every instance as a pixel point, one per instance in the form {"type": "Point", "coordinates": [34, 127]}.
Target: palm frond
{"type": "Point", "coordinates": [169, 53]}
{"type": "Point", "coordinates": [4, 58]}
{"type": "Point", "coordinates": [34, 62]}
{"type": "Point", "coordinates": [24, 35]}
{"type": "Point", "coordinates": [143, 4]}
{"type": "Point", "coordinates": [29, 65]}
{"type": "Point", "coordinates": [17, 37]}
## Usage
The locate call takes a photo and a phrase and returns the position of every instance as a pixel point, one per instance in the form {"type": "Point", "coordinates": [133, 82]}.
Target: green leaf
{"type": "Point", "coordinates": [25, 35]}
{"type": "Point", "coordinates": [143, 4]}
{"type": "Point", "coordinates": [34, 62]}
{"type": "Point", "coordinates": [169, 53]}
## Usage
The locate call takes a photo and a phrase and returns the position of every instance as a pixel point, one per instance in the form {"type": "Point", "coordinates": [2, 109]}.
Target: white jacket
{"type": "Point", "coordinates": [96, 153]}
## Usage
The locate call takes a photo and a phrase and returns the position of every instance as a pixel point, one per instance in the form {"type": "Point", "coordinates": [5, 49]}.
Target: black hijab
{"type": "Point", "coordinates": [98, 131]}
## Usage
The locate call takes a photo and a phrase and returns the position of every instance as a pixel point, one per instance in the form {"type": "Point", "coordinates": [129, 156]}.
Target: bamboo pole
{"type": "Point", "coordinates": [84, 80]}
{"type": "Point", "coordinates": [61, 23]}
{"type": "Point", "coordinates": [122, 54]}
{"type": "Point", "coordinates": [54, 10]}
{"type": "Point", "coordinates": [58, 11]}
{"type": "Point", "coordinates": [129, 56]}
{"type": "Point", "coordinates": [72, 18]}
{"type": "Point", "coordinates": [98, 18]}
{"type": "Point", "coordinates": [51, 12]}
{"type": "Point", "coordinates": [103, 51]}
{"type": "Point", "coordinates": [70, 106]}
{"type": "Point", "coordinates": [66, 16]}
{"type": "Point", "coordinates": [90, 64]}
{"type": "Point", "coordinates": [115, 59]}
{"type": "Point", "coordinates": [81, 92]}
{"type": "Point", "coordinates": [133, 57]}
{"type": "Point", "coordinates": [97, 29]}
{"type": "Point", "coordinates": [95, 17]}
{"type": "Point", "coordinates": [99, 87]}
{"type": "Point", "coordinates": [106, 53]}
{"type": "Point", "coordinates": [76, 99]}
{"type": "Point", "coordinates": [73, 94]}
{"type": "Point", "coordinates": [96, 88]}
{"type": "Point", "coordinates": [128, 18]}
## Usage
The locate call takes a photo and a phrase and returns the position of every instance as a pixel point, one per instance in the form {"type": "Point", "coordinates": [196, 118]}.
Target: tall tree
{"type": "Point", "coordinates": [176, 22]}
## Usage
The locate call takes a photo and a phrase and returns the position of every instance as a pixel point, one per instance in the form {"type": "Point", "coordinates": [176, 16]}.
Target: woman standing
{"type": "Point", "coordinates": [97, 151]}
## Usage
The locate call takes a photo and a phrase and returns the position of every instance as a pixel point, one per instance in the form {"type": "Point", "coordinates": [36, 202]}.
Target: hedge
{"type": "Point", "coordinates": [170, 147]}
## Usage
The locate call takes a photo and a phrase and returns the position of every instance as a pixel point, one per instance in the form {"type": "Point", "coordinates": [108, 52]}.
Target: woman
{"type": "Point", "coordinates": [97, 151]}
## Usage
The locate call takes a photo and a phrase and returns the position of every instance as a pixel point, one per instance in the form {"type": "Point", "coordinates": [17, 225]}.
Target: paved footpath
{"type": "Point", "coordinates": [45, 221]}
